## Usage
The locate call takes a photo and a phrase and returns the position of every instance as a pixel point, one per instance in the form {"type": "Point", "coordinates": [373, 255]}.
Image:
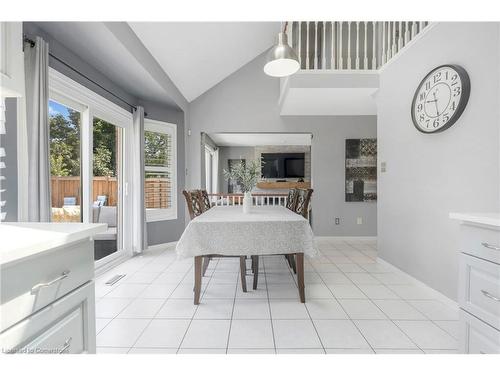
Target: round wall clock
{"type": "Point", "coordinates": [440, 98]}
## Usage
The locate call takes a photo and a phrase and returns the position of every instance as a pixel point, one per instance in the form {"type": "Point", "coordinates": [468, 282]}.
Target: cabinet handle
{"type": "Point", "coordinates": [486, 294]}
{"type": "Point", "coordinates": [43, 285]}
{"type": "Point", "coordinates": [492, 247]}
{"type": "Point", "coordinates": [66, 345]}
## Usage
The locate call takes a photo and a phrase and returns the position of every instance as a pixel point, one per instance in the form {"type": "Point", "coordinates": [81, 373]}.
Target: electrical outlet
{"type": "Point", "coordinates": [359, 220]}
{"type": "Point", "coordinates": [337, 221]}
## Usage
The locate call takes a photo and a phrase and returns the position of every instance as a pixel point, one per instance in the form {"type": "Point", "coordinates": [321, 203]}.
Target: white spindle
{"type": "Point", "coordinates": [400, 38]}
{"type": "Point", "coordinates": [315, 45]}
{"type": "Point", "coordinates": [413, 29]}
{"type": "Point", "coordinates": [349, 66]}
{"type": "Point", "coordinates": [323, 55]}
{"type": "Point", "coordinates": [383, 42]}
{"type": "Point", "coordinates": [374, 54]}
{"type": "Point", "coordinates": [299, 45]}
{"type": "Point", "coordinates": [357, 44]}
{"type": "Point", "coordinates": [307, 45]}
{"type": "Point", "coordinates": [340, 51]}
{"type": "Point", "coordinates": [332, 62]}
{"type": "Point", "coordinates": [407, 32]}
{"type": "Point", "coordinates": [420, 26]}
{"type": "Point", "coordinates": [365, 60]}
{"type": "Point", "coordinates": [394, 41]}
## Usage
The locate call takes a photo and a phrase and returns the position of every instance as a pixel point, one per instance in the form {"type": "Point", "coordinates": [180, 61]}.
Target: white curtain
{"type": "Point", "coordinates": [36, 65]}
{"type": "Point", "coordinates": [139, 235]}
{"type": "Point", "coordinates": [215, 171]}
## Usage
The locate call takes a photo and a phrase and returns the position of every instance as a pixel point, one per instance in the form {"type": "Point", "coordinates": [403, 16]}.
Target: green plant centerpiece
{"type": "Point", "coordinates": [246, 176]}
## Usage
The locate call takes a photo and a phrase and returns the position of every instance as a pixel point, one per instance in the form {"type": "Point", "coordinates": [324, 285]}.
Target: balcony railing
{"type": "Point", "coordinates": [349, 45]}
{"type": "Point", "coordinates": [259, 199]}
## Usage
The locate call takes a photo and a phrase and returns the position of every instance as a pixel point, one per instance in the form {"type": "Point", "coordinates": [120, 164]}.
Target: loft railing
{"type": "Point", "coordinates": [352, 45]}
{"type": "Point", "coordinates": [259, 199]}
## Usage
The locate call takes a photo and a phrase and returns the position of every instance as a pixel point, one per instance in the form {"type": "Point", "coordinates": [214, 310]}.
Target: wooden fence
{"type": "Point", "coordinates": [157, 190]}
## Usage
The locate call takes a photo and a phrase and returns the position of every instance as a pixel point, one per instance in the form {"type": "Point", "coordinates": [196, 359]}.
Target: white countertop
{"type": "Point", "coordinates": [22, 240]}
{"type": "Point", "coordinates": [485, 218]}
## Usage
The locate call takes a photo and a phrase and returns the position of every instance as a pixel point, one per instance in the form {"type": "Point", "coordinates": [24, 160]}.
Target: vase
{"type": "Point", "coordinates": [247, 202]}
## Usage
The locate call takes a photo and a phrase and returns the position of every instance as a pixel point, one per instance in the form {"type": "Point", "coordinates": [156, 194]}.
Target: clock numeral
{"type": "Point", "coordinates": [420, 107]}
{"type": "Point", "coordinates": [421, 117]}
{"type": "Point", "coordinates": [427, 123]}
{"type": "Point", "coordinates": [446, 75]}
{"type": "Point", "coordinates": [446, 117]}
{"type": "Point", "coordinates": [427, 85]}
{"type": "Point", "coordinates": [421, 97]}
{"type": "Point", "coordinates": [454, 105]}
{"type": "Point", "coordinates": [435, 123]}
{"type": "Point", "coordinates": [454, 77]}
{"type": "Point", "coordinates": [457, 91]}
{"type": "Point", "coordinates": [437, 77]}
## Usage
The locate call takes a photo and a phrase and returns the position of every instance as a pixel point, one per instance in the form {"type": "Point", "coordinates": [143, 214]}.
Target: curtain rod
{"type": "Point", "coordinates": [32, 44]}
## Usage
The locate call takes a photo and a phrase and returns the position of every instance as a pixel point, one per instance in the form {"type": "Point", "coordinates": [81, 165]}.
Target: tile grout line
{"type": "Point", "coordinates": [196, 309]}
{"type": "Point", "coordinates": [268, 303]}
{"type": "Point", "coordinates": [232, 311]}
{"type": "Point", "coordinates": [151, 320]}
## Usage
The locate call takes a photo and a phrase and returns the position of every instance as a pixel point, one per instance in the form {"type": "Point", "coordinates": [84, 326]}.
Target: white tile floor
{"type": "Point", "coordinates": [354, 304]}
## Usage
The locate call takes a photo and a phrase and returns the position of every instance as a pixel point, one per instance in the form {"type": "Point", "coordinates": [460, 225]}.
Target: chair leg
{"type": "Point", "coordinates": [243, 272]}
{"type": "Point", "coordinates": [206, 262]}
{"type": "Point", "coordinates": [300, 276]}
{"type": "Point", "coordinates": [255, 266]}
{"type": "Point", "coordinates": [287, 257]}
{"type": "Point", "coordinates": [292, 263]}
{"type": "Point", "coordinates": [197, 279]}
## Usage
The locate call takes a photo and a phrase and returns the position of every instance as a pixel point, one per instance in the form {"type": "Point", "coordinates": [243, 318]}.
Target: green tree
{"type": "Point", "coordinates": [105, 140]}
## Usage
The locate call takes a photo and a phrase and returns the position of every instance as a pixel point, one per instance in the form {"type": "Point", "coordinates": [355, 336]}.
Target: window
{"type": "Point", "coordinates": [160, 158]}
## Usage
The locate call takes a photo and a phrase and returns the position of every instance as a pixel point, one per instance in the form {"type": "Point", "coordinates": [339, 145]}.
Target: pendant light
{"type": "Point", "coordinates": [282, 61]}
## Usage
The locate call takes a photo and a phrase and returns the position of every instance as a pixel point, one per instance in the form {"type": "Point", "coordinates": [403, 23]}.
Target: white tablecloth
{"type": "Point", "coordinates": [266, 230]}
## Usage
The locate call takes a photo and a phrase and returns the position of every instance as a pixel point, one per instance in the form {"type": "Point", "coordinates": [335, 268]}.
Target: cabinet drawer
{"type": "Point", "coordinates": [479, 291]}
{"type": "Point", "coordinates": [28, 286]}
{"type": "Point", "coordinates": [477, 337]}
{"type": "Point", "coordinates": [65, 336]}
{"type": "Point", "coordinates": [66, 326]}
{"type": "Point", "coordinates": [481, 242]}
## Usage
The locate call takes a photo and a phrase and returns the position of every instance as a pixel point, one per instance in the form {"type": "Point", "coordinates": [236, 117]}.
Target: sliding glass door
{"type": "Point", "coordinates": [106, 186]}
{"type": "Point", "coordinates": [88, 165]}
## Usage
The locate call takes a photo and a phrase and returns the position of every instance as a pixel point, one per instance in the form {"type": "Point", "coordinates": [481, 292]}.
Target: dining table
{"type": "Point", "coordinates": [265, 230]}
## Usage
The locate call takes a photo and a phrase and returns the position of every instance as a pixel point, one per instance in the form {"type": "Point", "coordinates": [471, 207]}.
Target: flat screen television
{"type": "Point", "coordinates": [283, 165]}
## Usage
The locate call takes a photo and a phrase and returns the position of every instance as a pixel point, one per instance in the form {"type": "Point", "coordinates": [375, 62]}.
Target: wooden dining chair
{"type": "Point", "coordinates": [196, 206]}
{"type": "Point", "coordinates": [303, 201]}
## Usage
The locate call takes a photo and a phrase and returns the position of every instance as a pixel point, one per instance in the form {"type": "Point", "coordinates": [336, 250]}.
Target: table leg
{"type": "Point", "coordinates": [197, 279]}
{"type": "Point", "coordinates": [255, 264]}
{"type": "Point", "coordinates": [300, 276]}
{"type": "Point", "coordinates": [243, 272]}
{"type": "Point", "coordinates": [206, 262]}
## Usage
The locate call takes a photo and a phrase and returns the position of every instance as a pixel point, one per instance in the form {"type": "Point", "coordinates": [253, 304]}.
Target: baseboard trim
{"type": "Point", "coordinates": [438, 295]}
{"type": "Point", "coordinates": [111, 264]}
{"type": "Point", "coordinates": [348, 238]}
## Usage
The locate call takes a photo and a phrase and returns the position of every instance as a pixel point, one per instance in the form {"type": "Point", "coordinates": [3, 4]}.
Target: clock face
{"type": "Point", "coordinates": [440, 98]}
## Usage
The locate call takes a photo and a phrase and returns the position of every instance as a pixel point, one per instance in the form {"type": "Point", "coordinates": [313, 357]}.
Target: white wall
{"type": "Point", "coordinates": [430, 175]}
{"type": "Point", "coordinates": [247, 101]}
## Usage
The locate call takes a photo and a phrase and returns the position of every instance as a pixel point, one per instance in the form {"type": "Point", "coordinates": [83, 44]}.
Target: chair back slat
{"type": "Point", "coordinates": [302, 202]}
{"type": "Point", "coordinates": [205, 200]}
{"type": "Point", "coordinates": [291, 200]}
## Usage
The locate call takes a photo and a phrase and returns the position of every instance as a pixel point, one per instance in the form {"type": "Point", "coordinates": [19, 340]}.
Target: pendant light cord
{"type": "Point", "coordinates": [285, 27]}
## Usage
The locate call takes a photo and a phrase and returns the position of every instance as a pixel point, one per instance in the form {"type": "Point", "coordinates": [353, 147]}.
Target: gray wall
{"type": "Point", "coordinates": [232, 152]}
{"type": "Point", "coordinates": [430, 175]}
{"type": "Point", "coordinates": [247, 101]}
{"type": "Point", "coordinates": [9, 143]}
{"type": "Point", "coordinates": [171, 230]}
{"type": "Point", "coordinates": [158, 232]}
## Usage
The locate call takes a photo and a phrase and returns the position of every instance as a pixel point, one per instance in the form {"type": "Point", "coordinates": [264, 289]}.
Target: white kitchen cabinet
{"type": "Point", "coordinates": [47, 290]}
{"type": "Point", "coordinates": [479, 283]}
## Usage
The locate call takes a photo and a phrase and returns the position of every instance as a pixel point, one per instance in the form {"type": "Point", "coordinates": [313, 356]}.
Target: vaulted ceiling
{"type": "Point", "coordinates": [141, 57]}
{"type": "Point", "coordinates": [198, 55]}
